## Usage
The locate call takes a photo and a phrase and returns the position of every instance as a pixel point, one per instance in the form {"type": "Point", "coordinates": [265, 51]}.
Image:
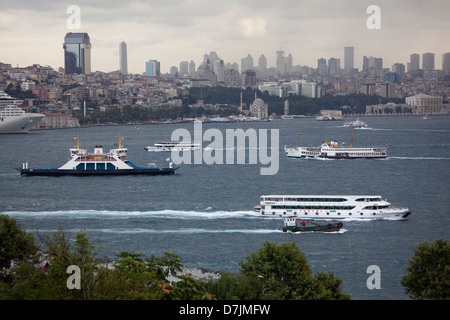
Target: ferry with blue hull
{"type": "Point", "coordinates": [98, 163]}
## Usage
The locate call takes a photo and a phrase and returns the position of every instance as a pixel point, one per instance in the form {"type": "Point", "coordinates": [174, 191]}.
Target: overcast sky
{"type": "Point", "coordinates": [171, 31]}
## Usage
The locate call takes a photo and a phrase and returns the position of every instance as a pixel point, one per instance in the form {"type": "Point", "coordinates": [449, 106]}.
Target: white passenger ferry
{"type": "Point", "coordinates": [329, 207]}
{"type": "Point", "coordinates": [332, 150]}
{"type": "Point", "coordinates": [173, 146]}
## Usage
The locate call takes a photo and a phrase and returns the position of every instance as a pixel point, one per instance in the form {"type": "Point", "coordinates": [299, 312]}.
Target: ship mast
{"type": "Point", "coordinates": [351, 142]}
{"type": "Point", "coordinates": [120, 141]}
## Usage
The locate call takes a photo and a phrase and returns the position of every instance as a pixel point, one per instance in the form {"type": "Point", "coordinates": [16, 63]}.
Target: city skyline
{"type": "Point", "coordinates": [175, 31]}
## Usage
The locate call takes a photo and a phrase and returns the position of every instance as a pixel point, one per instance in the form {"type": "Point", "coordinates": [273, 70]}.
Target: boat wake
{"type": "Point", "coordinates": [163, 214]}
{"type": "Point", "coordinates": [165, 231]}
{"type": "Point", "coordinates": [418, 158]}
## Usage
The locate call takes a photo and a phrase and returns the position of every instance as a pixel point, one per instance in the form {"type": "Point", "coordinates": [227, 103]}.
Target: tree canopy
{"type": "Point", "coordinates": [429, 271]}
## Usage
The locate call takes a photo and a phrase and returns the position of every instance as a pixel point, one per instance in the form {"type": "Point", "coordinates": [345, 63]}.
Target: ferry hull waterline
{"type": "Point", "coordinates": [330, 207]}
{"type": "Point", "coordinates": [113, 163]}
{"type": "Point", "coordinates": [55, 172]}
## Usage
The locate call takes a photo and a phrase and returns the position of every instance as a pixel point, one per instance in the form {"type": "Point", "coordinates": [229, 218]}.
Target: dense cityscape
{"type": "Point", "coordinates": [76, 95]}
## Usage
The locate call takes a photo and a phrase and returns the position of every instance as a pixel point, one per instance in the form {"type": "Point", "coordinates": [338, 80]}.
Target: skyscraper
{"type": "Point", "coordinates": [414, 62]}
{"type": "Point", "coordinates": [428, 61]}
{"type": "Point", "coordinates": [262, 64]}
{"type": "Point", "coordinates": [322, 66]}
{"type": "Point", "coordinates": [246, 63]}
{"type": "Point", "coordinates": [184, 68]}
{"type": "Point", "coordinates": [152, 68]}
{"type": "Point", "coordinates": [446, 61]}
{"type": "Point", "coordinates": [77, 53]}
{"type": "Point", "coordinates": [349, 59]}
{"type": "Point", "coordinates": [123, 60]}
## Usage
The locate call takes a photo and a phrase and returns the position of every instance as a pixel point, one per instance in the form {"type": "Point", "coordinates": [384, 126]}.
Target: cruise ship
{"type": "Point", "coordinates": [330, 207]}
{"type": "Point", "coordinates": [98, 163]}
{"type": "Point", "coordinates": [13, 119]}
{"type": "Point", "coordinates": [331, 149]}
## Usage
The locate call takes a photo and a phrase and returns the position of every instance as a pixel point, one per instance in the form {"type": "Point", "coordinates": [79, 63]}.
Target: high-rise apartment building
{"type": "Point", "coordinates": [322, 66]}
{"type": "Point", "coordinates": [333, 66]}
{"type": "Point", "coordinates": [191, 68]}
{"type": "Point", "coordinates": [446, 62]}
{"type": "Point", "coordinates": [414, 62]}
{"type": "Point", "coordinates": [262, 64]}
{"type": "Point", "coordinates": [246, 63]}
{"type": "Point", "coordinates": [77, 53]}
{"type": "Point", "coordinates": [428, 61]}
{"type": "Point", "coordinates": [123, 60]}
{"type": "Point", "coordinates": [184, 68]}
{"type": "Point", "coordinates": [349, 59]}
{"type": "Point", "coordinates": [399, 68]}
{"type": "Point", "coordinates": [284, 64]}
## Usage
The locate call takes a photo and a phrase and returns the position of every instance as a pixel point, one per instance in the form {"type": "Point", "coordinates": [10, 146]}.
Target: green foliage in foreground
{"type": "Point", "coordinates": [429, 271]}
{"type": "Point", "coordinates": [275, 271]}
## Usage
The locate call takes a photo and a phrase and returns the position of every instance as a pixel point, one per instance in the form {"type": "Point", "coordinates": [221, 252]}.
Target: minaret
{"type": "Point", "coordinates": [84, 108]}
{"type": "Point", "coordinates": [286, 108]}
{"type": "Point", "coordinates": [240, 106]}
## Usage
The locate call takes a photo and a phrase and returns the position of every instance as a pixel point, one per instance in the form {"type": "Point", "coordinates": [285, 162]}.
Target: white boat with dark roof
{"type": "Point", "coordinates": [330, 207]}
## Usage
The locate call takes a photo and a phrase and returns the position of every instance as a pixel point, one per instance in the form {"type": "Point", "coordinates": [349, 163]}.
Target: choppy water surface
{"type": "Point", "coordinates": [204, 213]}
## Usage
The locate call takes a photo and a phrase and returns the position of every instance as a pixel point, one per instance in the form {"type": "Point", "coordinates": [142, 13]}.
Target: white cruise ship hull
{"type": "Point", "coordinates": [330, 207]}
{"type": "Point", "coordinates": [21, 124]}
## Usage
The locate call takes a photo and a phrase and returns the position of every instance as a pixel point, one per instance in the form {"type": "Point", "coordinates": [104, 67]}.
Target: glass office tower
{"type": "Point", "coordinates": [77, 53]}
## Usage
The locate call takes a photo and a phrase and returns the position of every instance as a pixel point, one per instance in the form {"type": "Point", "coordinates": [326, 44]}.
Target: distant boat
{"type": "Point", "coordinates": [287, 117]}
{"type": "Point", "coordinates": [292, 224]}
{"type": "Point", "coordinates": [356, 124]}
{"type": "Point", "coordinates": [330, 149]}
{"type": "Point", "coordinates": [173, 146]}
{"type": "Point", "coordinates": [83, 163]}
{"type": "Point", "coordinates": [220, 120]}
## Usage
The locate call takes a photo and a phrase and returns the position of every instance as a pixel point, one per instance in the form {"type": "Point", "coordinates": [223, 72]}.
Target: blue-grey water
{"type": "Point", "coordinates": [204, 213]}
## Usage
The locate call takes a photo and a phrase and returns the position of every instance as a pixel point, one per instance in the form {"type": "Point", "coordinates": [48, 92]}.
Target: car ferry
{"type": "Point", "coordinates": [82, 163]}
{"type": "Point", "coordinates": [329, 207]}
{"type": "Point", "coordinates": [173, 146]}
{"type": "Point", "coordinates": [330, 149]}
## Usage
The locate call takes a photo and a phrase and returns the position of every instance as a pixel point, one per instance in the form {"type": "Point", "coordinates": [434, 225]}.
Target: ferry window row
{"type": "Point", "coordinates": [308, 199]}
{"type": "Point", "coordinates": [313, 207]}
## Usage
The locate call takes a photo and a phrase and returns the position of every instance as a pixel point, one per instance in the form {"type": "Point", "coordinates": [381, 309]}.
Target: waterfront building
{"type": "Point", "coordinates": [77, 53]}
{"type": "Point", "coordinates": [259, 109]}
